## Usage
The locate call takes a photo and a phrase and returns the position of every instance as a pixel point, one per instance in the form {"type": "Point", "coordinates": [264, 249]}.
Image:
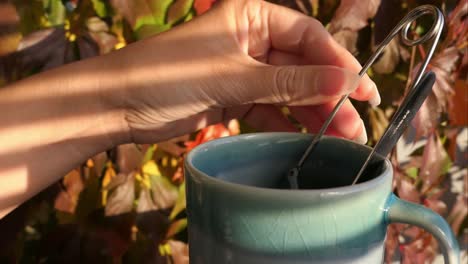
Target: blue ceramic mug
{"type": "Point", "coordinates": [241, 210]}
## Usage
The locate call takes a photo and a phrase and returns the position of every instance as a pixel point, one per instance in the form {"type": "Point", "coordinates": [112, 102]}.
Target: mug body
{"type": "Point", "coordinates": [241, 210]}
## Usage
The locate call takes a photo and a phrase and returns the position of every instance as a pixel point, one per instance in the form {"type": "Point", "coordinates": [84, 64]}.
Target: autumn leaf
{"type": "Point", "coordinates": [67, 199]}
{"type": "Point", "coordinates": [145, 202]}
{"type": "Point", "coordinates": [443, 66]}
{"type": "Point", "coordinates": [9, 28]}
{"type": "Point", "coordinates": [378, 121]}
{"type": "Point", "coordinates": [390, 58]}
{"type": "Point", "coordinates": [350, 17]}
{"type": "Point", "coordinates": [129, 158]}
{"type": "Point", "coordinates": [457, 25]}
{"type": "Point", "coordinates": [436, 205]}
{"type": "Point", "coordinates": [180, 204]}
{"type": "Point", "coordinates": [421, 250]}
{"type": "Point", "coordinates": [459, 212]}
{"type": "Point", "coordinates": [109, 175]}
{"type": "Point", "coordinates": [201, 6]}
{"type": "Point", "coordinates": [99, 31]}
{"type": "Point", "coordinates": [407, 190]}
{"type": "Point", "coordinates": [178, 10]}
{"type": "Point", "coordinates": [100, 7]}
{"type": "Point", "coordinates": [458, 104]}
{"type": "Point", "coordinates": [164, 193]}
{"type": "Point", "coordinates": [147, 17]}
{"type": "Point", "coordinates": [213, 132]}
{"type": "Point", "coordinates": [121, 197]}
{"type": "Point", "coordinates": [434, 162]}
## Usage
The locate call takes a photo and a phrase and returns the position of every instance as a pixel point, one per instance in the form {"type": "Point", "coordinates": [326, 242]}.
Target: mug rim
{"type": "Point", "coordinates": [341, 190]}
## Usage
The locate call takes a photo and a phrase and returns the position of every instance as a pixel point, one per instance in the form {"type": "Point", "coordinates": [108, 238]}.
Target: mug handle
{"type": "Point", "coordinates": [405, 212]}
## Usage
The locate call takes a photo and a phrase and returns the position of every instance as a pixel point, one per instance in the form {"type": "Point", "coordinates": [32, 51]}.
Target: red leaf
{"type": "Point", "coordinates": [457, 24]}
{"type": "Point", "coordinates": [459, 211]}
{"type": "Point", "coordinates": [407, 191]}
{"type": "Point", "coordinates": [436, 205]}
{"type": "Point", "coordinates": [458, 104]}
{"type": "Point", "coordinates": [353, 14]}
{"type": "Point", "coordinates": [434, 159]}
{"type": "Point", "coordinates": [201, 6]}
{"type": "Point", "coordinates": [443, 66]}
{"type": "Point", "coordinates": [350, 17]}
{"type": "Point", "coordinates": [213, 132]}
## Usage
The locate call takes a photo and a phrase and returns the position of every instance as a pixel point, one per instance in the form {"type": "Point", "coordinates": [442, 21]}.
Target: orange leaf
{"type": "Point", "coordinates": [67, 199]}
{"type": "Point", "coordinates": [201, 6]}
{"type": "Point", "coordinates": [458, 105]}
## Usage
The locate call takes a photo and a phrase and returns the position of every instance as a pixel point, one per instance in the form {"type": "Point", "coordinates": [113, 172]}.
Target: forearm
{"type": "Point", "coordinates": [52, 122]}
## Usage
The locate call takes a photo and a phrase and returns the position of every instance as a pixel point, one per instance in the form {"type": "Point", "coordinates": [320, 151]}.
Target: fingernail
{"type": "Point", "coordinates": [375, 101]}
{"type": "Point", "coordinates": [362, 138]}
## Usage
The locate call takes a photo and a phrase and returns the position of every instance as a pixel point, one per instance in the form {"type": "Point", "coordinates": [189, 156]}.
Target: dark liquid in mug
{"type": "Point", "coordinates": [316, 174]}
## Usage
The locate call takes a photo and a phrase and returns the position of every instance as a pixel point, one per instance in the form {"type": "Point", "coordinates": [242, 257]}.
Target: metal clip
{"type": "Point", "coordinates": [403, 26]}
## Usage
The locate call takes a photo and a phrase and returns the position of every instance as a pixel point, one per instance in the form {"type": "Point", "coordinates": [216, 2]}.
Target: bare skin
{"type": "Point", "coordinates": [240, 60]}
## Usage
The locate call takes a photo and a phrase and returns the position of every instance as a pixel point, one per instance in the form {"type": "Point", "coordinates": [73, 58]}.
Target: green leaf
{"type": "Point", "coordinates": [149, 154]}
{"type": "Point", "coordinates": [176, 227]}
{"type": "Point", "coordinates": [100, 8]}
{"type": "Point", "coordinates": [189, 16]}
{"type": "Point", "coordinates": [178, 11]}
{"type": "Point", "coordinates": [412, 172]}
{"type": "Point", "coordinates": [159, 10]}
{"type": "Point", "coordinates": [180, 204]}
{"type": "Point", "coordinates": [145, 31]}
{"type": "Point", "coordinates": [446, 165]}
{"type": "Point", "coordinates": [56, 12]}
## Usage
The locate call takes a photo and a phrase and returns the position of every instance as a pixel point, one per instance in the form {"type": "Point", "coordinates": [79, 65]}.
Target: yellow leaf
{"type": "Point", "coordinates": [108, 175]}
{"type": "Point", "coordinates": [151, 168]}
{"type": "Point", "coordinates": [180, 203]}
{"type": "Point", "coordinates": [174, 162]}
{"type": "Point", "coordinates": [165, 249]}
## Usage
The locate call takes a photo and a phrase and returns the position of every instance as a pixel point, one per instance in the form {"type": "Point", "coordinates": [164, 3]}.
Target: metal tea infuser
{"type": "Point", "coordinates": [418, 91]}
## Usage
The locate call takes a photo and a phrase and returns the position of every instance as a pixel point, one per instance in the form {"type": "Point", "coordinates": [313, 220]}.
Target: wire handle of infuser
{"type": "Point", "coordinates": [403, 26]}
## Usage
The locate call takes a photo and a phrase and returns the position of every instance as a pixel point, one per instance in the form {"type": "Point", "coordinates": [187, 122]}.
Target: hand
{"type": "Point", "coordinates": [240, 60]}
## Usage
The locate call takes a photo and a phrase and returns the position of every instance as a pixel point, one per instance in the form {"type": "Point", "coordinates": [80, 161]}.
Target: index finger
{"type": "Point", "coordinates": [298, 34]}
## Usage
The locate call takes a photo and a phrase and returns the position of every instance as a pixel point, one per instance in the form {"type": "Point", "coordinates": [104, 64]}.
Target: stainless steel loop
{"type": "Point", "coordinates": [403, 26]}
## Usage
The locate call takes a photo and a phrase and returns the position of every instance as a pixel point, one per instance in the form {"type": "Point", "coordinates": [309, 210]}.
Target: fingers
{"type": "Point", "coordinates": [347, 122]}
{"type": "Point", "coordinates": [295, 33]}
{"type": "Point", "coordinates": [299, 85]}
{"type": "Point", "coordinates": [277, 57]}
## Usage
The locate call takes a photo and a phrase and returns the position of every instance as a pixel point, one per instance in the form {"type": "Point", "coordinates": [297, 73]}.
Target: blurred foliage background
{"type": "Point", "coordinates": [127, 205]}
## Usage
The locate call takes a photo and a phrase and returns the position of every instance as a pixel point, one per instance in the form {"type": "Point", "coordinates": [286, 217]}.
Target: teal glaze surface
{"type": "Point", "coordinates": [241, 211]}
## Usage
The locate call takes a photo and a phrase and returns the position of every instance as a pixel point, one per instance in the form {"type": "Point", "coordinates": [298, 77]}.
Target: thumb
{"type": "Point", "coordinates": [302, 85]}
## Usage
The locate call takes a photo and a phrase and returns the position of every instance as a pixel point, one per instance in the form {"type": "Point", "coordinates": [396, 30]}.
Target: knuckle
{"type": "Point", "coordinates": [285, 82]}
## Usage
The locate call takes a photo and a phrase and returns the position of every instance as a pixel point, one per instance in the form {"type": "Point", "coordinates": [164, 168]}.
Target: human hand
{"type": "Point", "coordinates": [240, 60]}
